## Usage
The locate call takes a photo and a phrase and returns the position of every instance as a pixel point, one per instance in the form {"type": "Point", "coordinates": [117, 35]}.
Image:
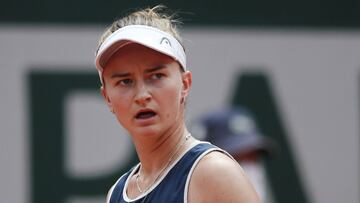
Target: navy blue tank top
{"type": "Point", "coordinates": [173, 187]}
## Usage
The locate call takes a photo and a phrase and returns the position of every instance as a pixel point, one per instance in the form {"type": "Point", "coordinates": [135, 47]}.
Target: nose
{"type": "Point", "coordinates": [143, 95]}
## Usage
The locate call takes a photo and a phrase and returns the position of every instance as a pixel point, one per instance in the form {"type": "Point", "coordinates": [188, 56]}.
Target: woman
{"type": "Point", "coordinates": [145, 83]}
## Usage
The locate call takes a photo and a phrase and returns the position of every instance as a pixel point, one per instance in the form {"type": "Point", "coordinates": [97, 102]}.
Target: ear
{"type": "Point", "coordinates": [187, 81]}
{"type": "Point", "coordinates": [106, 98]}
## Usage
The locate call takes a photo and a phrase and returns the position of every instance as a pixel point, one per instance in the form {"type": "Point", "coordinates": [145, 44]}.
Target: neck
{"type": "Point", "coordinates": [154, 153]}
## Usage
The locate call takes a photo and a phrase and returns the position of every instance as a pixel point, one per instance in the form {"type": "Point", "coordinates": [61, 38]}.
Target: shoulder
{"type": "Point", "coordinates": [219, 178]}
{"type": "Point", "coordinates": [117, 188]}
{"type": "Point", "coordinates": [108, 196]}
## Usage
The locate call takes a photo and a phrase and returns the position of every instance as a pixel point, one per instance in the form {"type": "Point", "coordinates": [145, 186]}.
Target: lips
{"type": "Point", "coordinates": [145, 114]}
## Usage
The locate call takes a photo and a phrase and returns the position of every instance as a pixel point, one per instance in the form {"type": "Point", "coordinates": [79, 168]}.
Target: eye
{"type": "Point", "coordinates": [125, 82]}
{"type": "Point", "coordinates": [157, 76]}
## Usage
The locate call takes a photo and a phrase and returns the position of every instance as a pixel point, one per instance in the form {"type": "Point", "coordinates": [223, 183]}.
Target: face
{"type": "Point", "coordinates": [146, 90]}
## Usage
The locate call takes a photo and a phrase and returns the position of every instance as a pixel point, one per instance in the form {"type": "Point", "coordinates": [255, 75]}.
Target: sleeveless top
{"type": "Point", "coordinates": [171, 187]}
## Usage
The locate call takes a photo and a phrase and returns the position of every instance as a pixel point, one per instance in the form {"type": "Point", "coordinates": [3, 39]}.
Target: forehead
{"type": "Point", "coordinates": [137, 55]}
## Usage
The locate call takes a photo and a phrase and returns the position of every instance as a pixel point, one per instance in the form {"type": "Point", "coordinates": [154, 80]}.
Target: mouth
{"type": "Point", "coordinates": [145, 114]}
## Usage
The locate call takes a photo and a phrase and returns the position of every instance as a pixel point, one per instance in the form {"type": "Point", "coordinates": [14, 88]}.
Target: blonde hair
{"type": "Point", "coordinates": [155, 17]}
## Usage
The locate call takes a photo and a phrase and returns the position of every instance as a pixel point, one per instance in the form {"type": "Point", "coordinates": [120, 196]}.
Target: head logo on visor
{"type": "Point", "coordinates": [165, 40]}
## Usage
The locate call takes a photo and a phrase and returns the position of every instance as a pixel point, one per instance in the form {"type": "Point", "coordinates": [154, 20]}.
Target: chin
{"type": "Point", "coordinates": [149, 131]}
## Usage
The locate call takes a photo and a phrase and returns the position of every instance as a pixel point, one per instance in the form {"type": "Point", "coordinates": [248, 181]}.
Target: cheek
{"type": "Point", "coordinates": [170, 99]}
{"type": "Point", "coordinates": [120, 101]}
{"type": "Point", "coordinates": [122, 108]}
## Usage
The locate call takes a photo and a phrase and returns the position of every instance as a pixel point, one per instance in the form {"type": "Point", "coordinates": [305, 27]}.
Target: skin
{"type": "Point", "coordinates": [139, 79]}
{"type": "Point", "coordinates": [217, 178]}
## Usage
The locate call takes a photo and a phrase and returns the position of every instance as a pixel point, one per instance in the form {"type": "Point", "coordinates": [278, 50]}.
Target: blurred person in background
{"type": "Point", "coordinates": [234, 130]}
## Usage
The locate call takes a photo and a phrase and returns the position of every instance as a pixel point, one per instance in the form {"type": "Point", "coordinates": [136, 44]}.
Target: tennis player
{"type": "Point", "coordinates": [145, 82]}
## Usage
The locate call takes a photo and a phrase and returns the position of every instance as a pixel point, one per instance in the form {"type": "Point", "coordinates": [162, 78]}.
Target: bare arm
{"type": "Point", "coordinates": [218, 178]}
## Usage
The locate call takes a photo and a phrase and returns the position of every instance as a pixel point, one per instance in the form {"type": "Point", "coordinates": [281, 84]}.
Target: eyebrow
{"type": "Point", "coordinates": [150, 70]}
{"type": "Point", "coordinates": [159, 67]}
{"type": "Point", "coordinates": [119, 75]}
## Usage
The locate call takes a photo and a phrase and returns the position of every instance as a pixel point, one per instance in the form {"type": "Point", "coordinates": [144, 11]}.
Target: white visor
{"type": "Point", "coordinates": [151, 37]}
